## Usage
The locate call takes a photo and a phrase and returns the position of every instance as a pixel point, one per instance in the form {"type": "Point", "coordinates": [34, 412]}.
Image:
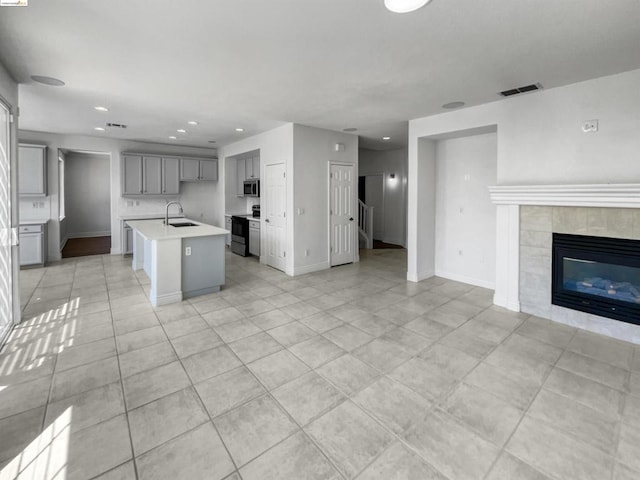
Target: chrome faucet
{"type": "Point", "coordinates": [166, 213]}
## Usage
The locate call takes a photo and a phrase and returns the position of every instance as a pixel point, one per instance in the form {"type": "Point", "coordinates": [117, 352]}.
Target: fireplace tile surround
{"type": "Point", "coordinates": [527, 218]}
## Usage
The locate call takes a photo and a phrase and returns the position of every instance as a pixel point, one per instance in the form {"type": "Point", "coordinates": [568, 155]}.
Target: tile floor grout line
{"type": "Point", "coordinates": [268, 392]}
{"type": "Point", "coordinates": [526, 411]}
{"type": "Point", "coordinates": [53, 374]}
{"type": "Point", "coordinates": [124, 396]}
{"type": "Point", "coordinates": [200, 401]}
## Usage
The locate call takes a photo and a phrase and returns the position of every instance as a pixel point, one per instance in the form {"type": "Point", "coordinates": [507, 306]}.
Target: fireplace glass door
{"type": "Point", "coordinates": [597, 275]}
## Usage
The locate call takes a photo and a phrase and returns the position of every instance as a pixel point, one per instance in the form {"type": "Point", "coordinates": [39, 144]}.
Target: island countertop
{"type": "Point", "coordinates": [157, 230]}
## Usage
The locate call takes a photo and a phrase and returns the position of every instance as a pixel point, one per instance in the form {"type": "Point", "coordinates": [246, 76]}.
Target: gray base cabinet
{"type": "Point", "coordinates": [227, 226]}
{"type": "Point", "coordinates": [254, 237]}
{"type": "Point", "coordinates": [32, 245]}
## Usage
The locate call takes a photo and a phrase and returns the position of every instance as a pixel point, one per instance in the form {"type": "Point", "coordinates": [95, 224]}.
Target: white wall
{"type": "Point", "coordinates": [539, 142]}
{"type": "Point", "coordinates": [306, 151]}
{"type": "Point", "coordinates": [395, 202]}
{"type": "Point", "coordinates": [276, 146]}
{"type": "Point", "coordinates": [87, 195]}
{"type": "Point", "coordinates": [119, 206]}
{"type": "Point", "coordinates": [314, 149]}
{"type": "Point", "coordinates": [465, 226]}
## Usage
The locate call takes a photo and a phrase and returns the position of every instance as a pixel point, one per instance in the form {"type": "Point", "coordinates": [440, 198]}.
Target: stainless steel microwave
{"type": "Point", "coordinates": [252, 188]}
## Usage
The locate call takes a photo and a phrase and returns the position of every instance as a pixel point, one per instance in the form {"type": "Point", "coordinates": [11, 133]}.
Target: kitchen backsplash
{"type": "Point", "coordinates": [135, 206]}
{"type": "Point", "coordinates": [36, 208]}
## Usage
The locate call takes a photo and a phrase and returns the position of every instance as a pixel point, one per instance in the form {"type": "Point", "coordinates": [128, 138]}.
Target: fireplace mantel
{"type": "Point", "coordinates": [625, 195]}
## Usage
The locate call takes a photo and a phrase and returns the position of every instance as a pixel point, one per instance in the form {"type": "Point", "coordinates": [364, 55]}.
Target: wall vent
{"type": "Point", "coordinates": [116, 125]}
{"type": "Point", "coordinates": [519, 90]}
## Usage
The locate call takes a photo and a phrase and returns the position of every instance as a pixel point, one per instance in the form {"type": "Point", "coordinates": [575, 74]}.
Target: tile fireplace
{"type": "Point", "coordinates": [528, 218]}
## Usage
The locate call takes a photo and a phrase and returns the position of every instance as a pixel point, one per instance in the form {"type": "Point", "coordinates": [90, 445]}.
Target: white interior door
{"type": "Point", "coordinates": [374, 197]}
{"type": "Point", "coordinates": [342, 223]}
{"type": "Point", "coordinates": [6, 233]}
{"type": "Point", "coordinates": [275, 196]}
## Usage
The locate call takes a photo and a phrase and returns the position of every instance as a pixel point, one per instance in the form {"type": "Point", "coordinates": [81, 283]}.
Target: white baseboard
{"type": "Point", "coordinates": [419, 276]}
{"type": "Point", "coordinates": [502, 301]}
{"type": "Point", "coordinates": [310, 268]}
{"type": "Point", "coordinates": [116, 251]}
{"type": "Point", "coordinates": [64, 242]}
{"type": "Point", "coordinates": [157, 300]}
{"type": "Point", "coordinates": [478, 282]}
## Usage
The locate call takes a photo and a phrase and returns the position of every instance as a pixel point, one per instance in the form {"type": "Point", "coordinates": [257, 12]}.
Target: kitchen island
{"type": "Point", "coordinates": [183, 259]}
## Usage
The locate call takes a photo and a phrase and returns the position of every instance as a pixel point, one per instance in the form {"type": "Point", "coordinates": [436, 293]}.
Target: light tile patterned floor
{"type": "Point", "coordinates": [347, 373]}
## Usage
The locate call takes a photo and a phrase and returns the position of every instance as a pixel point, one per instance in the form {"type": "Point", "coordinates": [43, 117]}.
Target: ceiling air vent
{"type": "Point", "coordinates": [519, 90]}
{"type": "Point", "coordinates": [116, 125]}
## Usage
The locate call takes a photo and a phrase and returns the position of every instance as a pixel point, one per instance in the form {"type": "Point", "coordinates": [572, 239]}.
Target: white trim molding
{"type": "Point", "coordinates": [626, 195]}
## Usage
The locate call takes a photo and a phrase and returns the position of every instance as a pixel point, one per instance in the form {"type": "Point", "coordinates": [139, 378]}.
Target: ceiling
{"type": "Point", "coordinates": [332, 64]}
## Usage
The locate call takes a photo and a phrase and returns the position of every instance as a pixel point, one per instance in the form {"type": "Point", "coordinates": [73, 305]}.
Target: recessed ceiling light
{"type": "Point", "coordinates": [404, 6]}
{"type": "Point", "coordinates": [350, 129]}
{"type": "Point", "coordinates": [172, 137]}
{"type": "Point", "coordinates": [181, 130]}
{"type": "Point", "coordinates": [192, 122]}
{"type": "Point", "coordinates": [53, 82]}
{"type": "Point", "coordinates": [99, 129]}
{"type": "Point", "coordinates": [386, 138]}
{"type": "Point", "coordinates": [451, 105]}
{"type": "Point", "coordinates": [239, 129]}
{"type": "Point", "coordinates": [101, 109]}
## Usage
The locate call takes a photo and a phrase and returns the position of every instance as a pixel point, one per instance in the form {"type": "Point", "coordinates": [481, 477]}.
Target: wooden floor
{"type": "Point", "coordinates": [379, 244]}
{"type": "Point", "coordinates": [80, 247]}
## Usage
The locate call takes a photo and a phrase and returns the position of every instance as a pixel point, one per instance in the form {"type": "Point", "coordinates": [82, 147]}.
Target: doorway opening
{"type": "Point", "coordinates": [85, 203]}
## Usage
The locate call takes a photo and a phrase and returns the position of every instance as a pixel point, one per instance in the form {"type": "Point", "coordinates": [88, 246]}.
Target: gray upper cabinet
{"type": "Point", "coordinates": [197, 170]}
{"type": "Point", "coordinates": [252, 167]}
{"type": "Point", "coordinates": [157, 175]}
{"type": "Point", "coordinates": [132, 175]}
{"type": "Point", "coordinates": [171, 176]}
{"type": "Point", "coordinates": [189, 170]}
{"type": "Point", "coordinates": [209, 170]}
{"type": "Point", "coordinates": [32, 171]}
{"type": "Point", "coordinates": [152, 175]}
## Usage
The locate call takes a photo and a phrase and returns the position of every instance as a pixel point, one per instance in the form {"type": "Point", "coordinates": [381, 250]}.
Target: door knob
{"type": "Point", "coordinates": [266, 220]}
{"type": "Point", "coordinates": [351, 219]}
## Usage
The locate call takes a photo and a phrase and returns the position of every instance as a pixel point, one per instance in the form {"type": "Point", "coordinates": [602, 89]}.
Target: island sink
{"type": "Point", "coordinates": [184, 224]}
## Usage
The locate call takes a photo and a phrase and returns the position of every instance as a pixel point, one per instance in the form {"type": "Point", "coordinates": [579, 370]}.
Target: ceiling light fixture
{"type": "Point", "coordinates": [192, 122]}
{"type": "Point", "coordinates": [43, 79]}
{"type": "Point", "coordinates": [101, 109]}
{"type": "Point", "coordinates": [386, 138]}
{"type": "Point", "coordinates": [452, 105]}
{"type": "Point", "coordinates": [181, 130]}
{"type": "Point", "coordinates": [404, 6]}
{"type": "Point", "coordinates": [239, 129]}
{"type": "Point", "coordinates": [172, 137]}
{"type": "Point", "coordinates": [99, 129]}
